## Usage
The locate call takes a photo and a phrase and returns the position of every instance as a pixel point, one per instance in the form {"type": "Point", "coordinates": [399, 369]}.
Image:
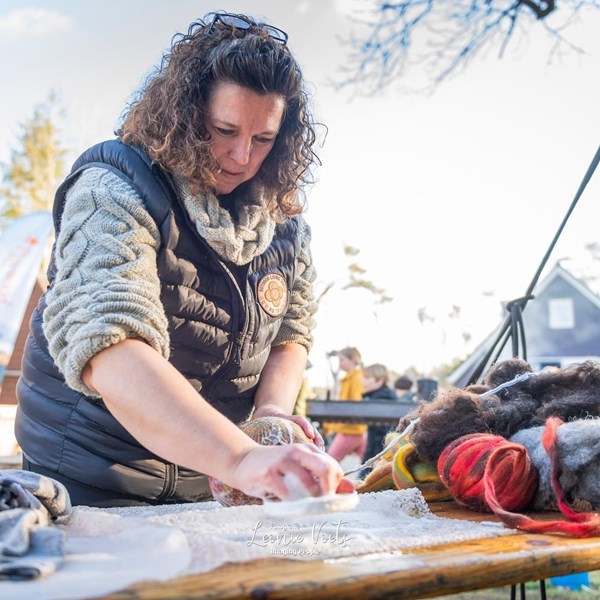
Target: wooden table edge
{"type": "Point", "coordinates": [415, 573]}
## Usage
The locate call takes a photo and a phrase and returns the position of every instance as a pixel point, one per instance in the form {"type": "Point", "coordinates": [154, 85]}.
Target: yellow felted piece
{"type": "Point", "coordinates": [389, 438]}
{"type": "Point", "coordinates": [408, 472]}
{"type": "Point", "coordinates": [379, 479]}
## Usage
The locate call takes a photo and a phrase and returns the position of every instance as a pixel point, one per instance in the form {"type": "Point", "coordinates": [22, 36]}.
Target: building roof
{"type": "Point", "coordinates": [561, 323]}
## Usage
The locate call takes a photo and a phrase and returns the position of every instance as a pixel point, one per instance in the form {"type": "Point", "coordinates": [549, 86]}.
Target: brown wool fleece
{"type": "Point", "coordinates": [569, 393]}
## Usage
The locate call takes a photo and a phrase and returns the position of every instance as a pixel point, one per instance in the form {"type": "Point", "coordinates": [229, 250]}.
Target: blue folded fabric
{"type": "Point", "coordinates": [31, 545]}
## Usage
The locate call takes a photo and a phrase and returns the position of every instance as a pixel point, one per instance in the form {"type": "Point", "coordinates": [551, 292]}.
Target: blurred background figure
{"type": "Point", "coordinates": [427, 388]}
{"type": "Point", "coordinates": [348, 437]}
{"type": "Point", "coordinates": [304, 393]}
{"type": "Point", "coordinates": [403, 387]}
{"type": "Point", "coordinates": [375, 383]}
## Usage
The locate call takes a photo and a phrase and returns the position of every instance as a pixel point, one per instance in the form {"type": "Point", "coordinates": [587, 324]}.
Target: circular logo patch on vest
{"type": "Point", "coordinates": [272, 292]}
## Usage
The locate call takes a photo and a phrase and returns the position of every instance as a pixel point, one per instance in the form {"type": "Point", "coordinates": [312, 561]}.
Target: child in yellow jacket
{"type": "Point", "coordinates": [349, 437]}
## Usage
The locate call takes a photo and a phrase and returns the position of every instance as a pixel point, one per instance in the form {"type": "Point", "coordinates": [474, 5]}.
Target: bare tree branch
{"type": "Point", "coordinates": [442, 35]}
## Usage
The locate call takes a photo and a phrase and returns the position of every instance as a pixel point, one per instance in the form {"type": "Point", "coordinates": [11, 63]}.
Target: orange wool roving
{"type": "Point", "coordinates": [486, 472]}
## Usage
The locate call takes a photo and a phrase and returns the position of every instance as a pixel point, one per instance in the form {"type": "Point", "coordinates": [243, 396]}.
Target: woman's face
{"type": "Point", "coordinates": [242, 126]}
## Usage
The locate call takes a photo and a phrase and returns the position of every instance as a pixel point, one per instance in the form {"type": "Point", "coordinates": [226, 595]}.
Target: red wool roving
{"type": "Point", "coordinates": [486, 472]}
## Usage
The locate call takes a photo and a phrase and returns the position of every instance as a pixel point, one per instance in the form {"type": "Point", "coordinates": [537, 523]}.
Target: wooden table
{"type": "Point", "coordinates": [418, 573]}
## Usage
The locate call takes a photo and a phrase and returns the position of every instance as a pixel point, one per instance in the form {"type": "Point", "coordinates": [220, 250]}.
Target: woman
{"type": "Point", "coordinates": [180, 299]}
{"type": "Point", "coordinates": [349, 437]}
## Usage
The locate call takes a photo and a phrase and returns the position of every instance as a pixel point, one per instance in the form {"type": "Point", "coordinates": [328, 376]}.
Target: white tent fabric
{"type": "Point", "coordinates": [22, 245]}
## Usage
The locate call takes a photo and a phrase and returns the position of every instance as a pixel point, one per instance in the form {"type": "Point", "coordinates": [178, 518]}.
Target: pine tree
{"type": "Point", "coordinates": [36, 165]}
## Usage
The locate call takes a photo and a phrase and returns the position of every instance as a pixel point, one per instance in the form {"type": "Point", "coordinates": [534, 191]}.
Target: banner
{"type": "Point", "coordinates": [22, 245]}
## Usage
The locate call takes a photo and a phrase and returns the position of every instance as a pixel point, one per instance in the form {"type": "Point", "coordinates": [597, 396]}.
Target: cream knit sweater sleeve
{"type": "Point", "coordinates": [106, 287]}
{"type": "Point", "coordinates": [299, 322]}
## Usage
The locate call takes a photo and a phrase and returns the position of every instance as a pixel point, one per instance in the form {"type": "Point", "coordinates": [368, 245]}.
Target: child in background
{"type": "Point", "coordinates": [375, 383]}
{"type": "Point", "coordinates": [349, 437]}
{"type": "Point", "coordinates": [403, 386]}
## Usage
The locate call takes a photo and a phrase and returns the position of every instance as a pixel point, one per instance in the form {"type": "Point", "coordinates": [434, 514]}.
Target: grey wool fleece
{"type": "Point", "coordinates": [107, 288]}
{"type": "Point", "coordinates": [579, 460]}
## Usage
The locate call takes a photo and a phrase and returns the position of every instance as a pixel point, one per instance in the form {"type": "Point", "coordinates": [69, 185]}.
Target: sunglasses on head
{"type": "Point", "coordinates": [244, 23]}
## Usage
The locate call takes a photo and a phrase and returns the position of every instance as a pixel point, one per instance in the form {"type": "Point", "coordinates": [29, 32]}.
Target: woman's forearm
{"type": "Point", "coordinates": [158, 406]}
{"type": "Point", "coordinates": [281, 378]}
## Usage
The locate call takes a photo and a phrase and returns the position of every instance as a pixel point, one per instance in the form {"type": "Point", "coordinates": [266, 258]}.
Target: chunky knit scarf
{"type": "Point", "coordinates": [237, 235]}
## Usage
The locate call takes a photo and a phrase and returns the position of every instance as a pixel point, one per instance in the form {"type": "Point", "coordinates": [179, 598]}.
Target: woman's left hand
{"type": "Point", "coordinates": [311, 432]}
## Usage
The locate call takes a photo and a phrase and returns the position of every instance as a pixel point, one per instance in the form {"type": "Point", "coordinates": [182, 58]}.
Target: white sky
{"type": "Point", "coordinates": [452, 198]}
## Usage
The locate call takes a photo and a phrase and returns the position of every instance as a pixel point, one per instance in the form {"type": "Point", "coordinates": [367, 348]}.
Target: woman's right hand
{"type": "Point", "coordinates": [260, 472]}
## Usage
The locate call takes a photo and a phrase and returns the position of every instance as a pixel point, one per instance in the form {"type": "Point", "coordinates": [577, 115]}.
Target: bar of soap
{"type": "Point", "coordinates": [311, 505]}
{"type": "Point", "coordinates": [295, 487]}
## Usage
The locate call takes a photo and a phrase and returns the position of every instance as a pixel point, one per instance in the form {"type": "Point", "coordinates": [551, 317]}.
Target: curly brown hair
{"type": "Point", "coordinates": [168, 116]}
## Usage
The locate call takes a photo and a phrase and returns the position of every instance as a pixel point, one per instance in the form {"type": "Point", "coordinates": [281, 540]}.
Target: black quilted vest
{"type": "Point", "coordinates": [220, 339]}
